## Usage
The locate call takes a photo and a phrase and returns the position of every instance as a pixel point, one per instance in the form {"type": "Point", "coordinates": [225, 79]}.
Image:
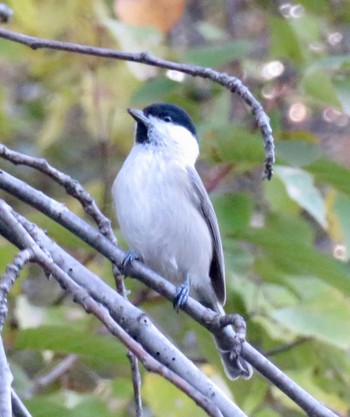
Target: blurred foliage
{"type": "Point", "coordinates": [287, 242]}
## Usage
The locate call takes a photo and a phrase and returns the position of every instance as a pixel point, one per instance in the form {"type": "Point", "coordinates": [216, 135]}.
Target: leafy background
{"type": "Point", "coordinates": [287, 242]}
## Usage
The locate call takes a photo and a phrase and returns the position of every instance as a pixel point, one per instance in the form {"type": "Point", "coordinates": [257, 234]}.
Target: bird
{"type": "Point", "coordinates": [166, 216]}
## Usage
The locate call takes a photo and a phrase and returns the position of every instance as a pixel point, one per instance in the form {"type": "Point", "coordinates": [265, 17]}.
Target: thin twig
{"type": "Point", "coordinates": [8, 278]}
{"type": "Point", "coordinates": [287, 346]}
{"type": "Point", "coordinates": [55, 373]}
{"type": "Point", "coordinates": [227, 81]}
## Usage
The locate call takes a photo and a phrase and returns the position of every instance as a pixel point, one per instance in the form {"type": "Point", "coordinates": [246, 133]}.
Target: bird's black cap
{"type": "Point", "coordinates": [165, 111]}
{"type": "Point", "coordinates": [172, 114]}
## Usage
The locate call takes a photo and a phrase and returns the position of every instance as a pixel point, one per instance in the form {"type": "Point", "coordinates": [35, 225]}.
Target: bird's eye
{"type": "Point", "coordinates": [168, 119]}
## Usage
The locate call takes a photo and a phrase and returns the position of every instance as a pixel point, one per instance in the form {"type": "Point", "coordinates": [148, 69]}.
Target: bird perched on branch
{"type": "Point", "coordinates": [166, 216]}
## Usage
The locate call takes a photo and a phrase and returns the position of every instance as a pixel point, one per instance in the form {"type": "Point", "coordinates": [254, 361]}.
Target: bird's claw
{"type": "Point", "coordinates": [182, 293]}
{"type": "Point", "coordinates": [240, 328]}
{"type": "Point", "coordinates": [128, 259]}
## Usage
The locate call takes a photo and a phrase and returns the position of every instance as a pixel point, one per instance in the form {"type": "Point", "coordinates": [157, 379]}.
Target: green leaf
{"type": "Point", "coordinates": [331, 62]}
{"type": "Point", "coordinates": [166, 400]}
{"type": "Point", "coordinates": [92, 407]}
{"type": "Point", "coordinates": [294, 257]}
{"type": "Point", "coordinates": [154, 90]}
{"type": "Point", "coordinates": [43, 407]}
{"type": "Point", "coordinates": [341, 208]}
{"type": "Point", "coordinates": [300, 188]}
{"type": "Point", "coordinates": [330, 172]}
{"type": "Point", "coordinates": [233, 211]}
{"type": "Point", "coordinates": [342, 88]}
{"type": "Point", "coordinates": [218, 55]}
{"type": "Point", "coordinates": [67, 340]}
{"type": "Point", "coordinates": [52, 127]}
{"type": "Point", "coordinates": [319, 86]}
{"type": "Point", "coordinates": [210, 31]}
{"type": "Point", "coordinates": [298, 152]}
{"type": "Point", "coordinates": [291, 226]}
{"type": "Point", "coordinates": [284, 42]}
{"type": "Point", "coordinates": [278, 198]}
{"type": "Point", "coordinates": [323, 317]}
{"type": "Point", "coordinates": [232, 144]}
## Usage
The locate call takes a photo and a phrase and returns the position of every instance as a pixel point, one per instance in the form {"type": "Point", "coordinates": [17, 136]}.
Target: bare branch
{"type": "Point", "coordinates": [204, 316]}
{"type": "Point", "coordinates": [227, 81]}
{"type": "Point", "coordinates": [136, 383]}
{"type": "Point", "coordinates": [55, 373]}
{"type": "Point", "coordinates": [8, 279]}
{"type": "Point", "coordinates": [6, 282]}
{"type": "Point", "coordinates": [6, 379]}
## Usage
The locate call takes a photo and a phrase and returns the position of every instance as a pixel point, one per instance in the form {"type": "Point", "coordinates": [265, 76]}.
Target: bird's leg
{"type": "Point", "coordinates": [240, 328]}
{"type": "Point", "coordinates": [182, 293]}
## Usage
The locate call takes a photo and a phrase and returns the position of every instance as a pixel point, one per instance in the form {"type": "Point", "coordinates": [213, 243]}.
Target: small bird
{"type": "Point", "coordinates": [166, 216]}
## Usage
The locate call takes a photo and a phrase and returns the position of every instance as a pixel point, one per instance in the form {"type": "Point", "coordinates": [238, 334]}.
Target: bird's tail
{"type": "Point", "coordinates": [235, 366]}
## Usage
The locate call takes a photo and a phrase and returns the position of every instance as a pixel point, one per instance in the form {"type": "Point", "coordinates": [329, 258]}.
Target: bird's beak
{"type": "Point", "coordinates": [139, 116]}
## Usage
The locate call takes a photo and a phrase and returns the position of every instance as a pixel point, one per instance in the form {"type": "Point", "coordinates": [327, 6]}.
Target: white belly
{"type": "Point", "coordinates": [160, 221]}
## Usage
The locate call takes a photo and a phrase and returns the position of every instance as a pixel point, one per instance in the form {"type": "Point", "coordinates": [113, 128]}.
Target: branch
{"type": "Point", "coordinates": [6, 282]}
{"type": "Point", "coordinates": [55, 373]}
{"type": "Point", "coordinates": [227, 81]}
{"type": "Point", "coordinates": [6, 379]}
{"type": "Point", "coordinates": [119, 316]}
{"type": "Point", "coordinates": [8, 279]}
{"type": "Point", "coordinates": [205, 317]}
{"type": "Point", "coordinates": [136, 383]}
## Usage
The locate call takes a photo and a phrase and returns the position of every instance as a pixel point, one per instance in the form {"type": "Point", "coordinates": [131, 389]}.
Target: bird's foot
{"type": "Point", "coordinates": [129, 258]}
{"type": "Point", "coordinates": [240, 328]}
{"type": "Point", "coordinates": [182, 293]}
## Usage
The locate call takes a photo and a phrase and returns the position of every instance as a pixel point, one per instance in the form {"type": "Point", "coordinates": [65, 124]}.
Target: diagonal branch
{"type": "Point", "coordinates": [8, 278]}
{"type": "Point", "coordinates": [227, 81]}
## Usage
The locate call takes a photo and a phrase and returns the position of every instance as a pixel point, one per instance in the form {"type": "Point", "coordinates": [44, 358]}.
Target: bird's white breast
{"type": "Point", "coordinates": [158, 218]}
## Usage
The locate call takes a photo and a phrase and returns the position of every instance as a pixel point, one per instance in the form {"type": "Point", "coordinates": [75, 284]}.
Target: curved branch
{"type": "Point", "coordinates": [231, 83]}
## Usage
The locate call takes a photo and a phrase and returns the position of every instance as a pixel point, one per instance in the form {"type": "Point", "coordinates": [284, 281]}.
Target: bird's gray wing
{"type": "Point", "coordinates": [205, 207]}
